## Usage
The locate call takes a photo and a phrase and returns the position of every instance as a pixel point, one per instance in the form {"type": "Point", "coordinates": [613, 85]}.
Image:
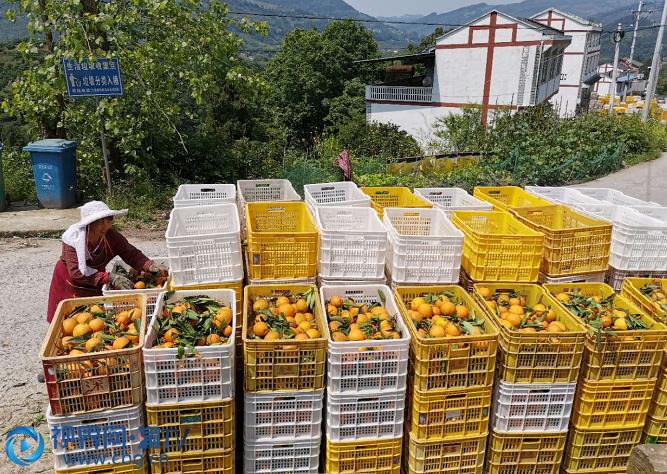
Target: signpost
{"type": "Point", "coordinates": [99, 78]}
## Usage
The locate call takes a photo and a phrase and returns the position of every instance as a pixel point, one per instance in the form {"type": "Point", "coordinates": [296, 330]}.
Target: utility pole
{"type": "Point", "coordinates": [618, 36]}
{"type": "Point", "coordinates": [655, 66]}
{"type": "Point", "coordinates": [638, 15]}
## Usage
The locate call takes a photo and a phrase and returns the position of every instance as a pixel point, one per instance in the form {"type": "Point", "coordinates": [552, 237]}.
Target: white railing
{"type": "Point", "coordinates": [399, 93]}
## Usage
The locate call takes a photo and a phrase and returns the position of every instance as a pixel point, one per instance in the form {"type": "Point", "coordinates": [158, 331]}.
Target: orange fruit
{"type": "Point", "coordinates": [305, 326]}
{"type": "Point", "coordinates": [96, 309]}
{"type": "Point", "coordinates": [528, 329]}
{"type": "Point", "coordinates": [140, 285]}
{"type": "Point", "coordinates": [83, 317]}
{"type": "Point", "coordinates": [68, 326]}
{"type": "Point", "coordinates": [272, 336]}
{"type": "Point", "coordinates": [97, 324]}
{"type": "Point", "coordinates": [563, 297]}
{"type": "Point", "coordinates": [516, 309]}
{"type": "Point", "coordinates": [338, 336]}
{"type": "Point", "coordinates": [362, 318]}
{"type": "Point", "coordinates": [81, 330]}
{"type": "Point", "coordinates": [224, 314]}
{"type": "Point", "coordinates": [605, 321]}
{"type": "Point", "coordinates": [302, 305]}
{"type": "Point", "coordinates": [92, 343]}
{"type": "Point", "coordinates": [551, 316]}
{"type": "Point", "coordinates": [621, 324]}
{"type": "Point", "coordinates": [448, 308]}
{"type": "Point", "coordinates": [336, 301]}
{"type": "Point", "coordinates": [437, 331]}
{"type": "Point", "coordinates": [506, 323]}
{"type": "Point", "coordinates": [515, 301]}
{"type": "Point", "coordinates": [132, 334]}
{"type": "Point", "coordinates": [462, 312]}
{"type": "Point", "coordinates": [260, 329]}
{"type": "Point", "coordinates": [513, 319]}
{"type": "Point", "coordinates": [259, 305]}
{"type": "Point", "coordinates": [313, 333]}
{"type": "Point", "coordinates": [171, 335]}
{"type": "Point", "coordinates": [304, 337]}
{"type": "Point", "coordinates": [539, 309]}
{"type": "Point", "coordinates": [425, 310]}
{"type": "Point", "coordinates": [227, 331]}
{"type": "Point", "coordinates": [213, 339]}
{"type": "Point", "coordinates": [281, 300]}
{"type": "Point", "coordinates": [484, 292]}
{"type": "Point", "coordinates": [356, 335]}
{"type": "Point", "coordinates": [286, 310]}
{"type": "Point", "coordinates": [556, 326]}
{"type": "Point", "coordinates": [120, 342]}
{"type": "Point", "coordinates": [452, 330]}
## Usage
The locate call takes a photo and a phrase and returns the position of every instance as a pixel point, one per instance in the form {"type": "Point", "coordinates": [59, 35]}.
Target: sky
{"type": "Point", "coordinates": [416, 7]}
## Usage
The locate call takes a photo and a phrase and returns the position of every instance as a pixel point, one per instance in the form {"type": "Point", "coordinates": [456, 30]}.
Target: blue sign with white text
{"type": "Point", "coordinates": [98, 78]}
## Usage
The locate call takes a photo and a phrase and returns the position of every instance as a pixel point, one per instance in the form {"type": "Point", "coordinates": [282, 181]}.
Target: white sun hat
{"type": "Point", "coordinates": [75, 235]}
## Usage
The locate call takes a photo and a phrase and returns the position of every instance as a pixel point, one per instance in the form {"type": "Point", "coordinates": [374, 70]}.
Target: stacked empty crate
{"type": "Point", "coordinates": [284, 391]}
{"type": "Point", "coordinates": [95, 414]}
{"type": "Point", "coordinates": [190, 394]}
{"type": "Point", "coordinates": [639, 233]}
{"type": "Point", "coordinates": [366, 386]}
{"type": "Point", "coordinates": [616, 381]}
{"type": "Point", "coordinates": [449, 389]}
{"type": "Point", "coordinates": [536, 380]}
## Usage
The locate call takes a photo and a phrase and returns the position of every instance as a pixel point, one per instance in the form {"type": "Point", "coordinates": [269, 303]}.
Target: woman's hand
{"type": "Point", "coordinates": [120, 282]}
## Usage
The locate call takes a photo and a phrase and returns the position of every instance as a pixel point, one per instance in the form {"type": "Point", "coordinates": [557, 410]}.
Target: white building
{"type": "Point", "coordinates": [496, 62]}
{"type": "Point", "coordinates": [580, 64]}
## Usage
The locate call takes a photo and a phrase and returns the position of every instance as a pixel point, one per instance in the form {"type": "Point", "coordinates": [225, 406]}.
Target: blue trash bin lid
{"type": "Point", "coordinates": [52, 145]}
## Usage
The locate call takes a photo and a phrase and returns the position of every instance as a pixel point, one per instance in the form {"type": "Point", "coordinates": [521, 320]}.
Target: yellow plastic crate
{"type": "Point", "coordinates": [282, 365]}
{"type": "Point", "coordinates": [448, 415]}
{"type": "Point", "coordinates": [282, 241]}
{"type": "Point", "coordinates": [612, 405]}
{"type": "Point", "coordinates": [393, 196]}
{"type": "Point", "coordinates": [451, 362]}
{"type": "Point", "coordinates": [460, 456]}
{"type": "Point", "coordinates": [540, 358]}
{"type": "Point", "coordinates": [364, 456]}
{"type": "Point", "coordinates": [621, 355]}
{"type": "Point", "coordinates": [525, 453]}
{"type": "Point", "coordinates": [110, 469]}
{"type": "Point", "coordinates": [504, 198]}
{"type": "Point", "coordinates": [209, 427]}
{"type": "Point", "coordinates": [655, 431]}
{"type": "Point", "coordinates": [497, 247]}
{"type": "Point", "coordinates": [601, 451]}
{"type": "Point", "coordinates": [659, 403]}
{"type": "Point", "coordinates": [218, 462]}
{"type": "Point", "coordinates": [632, 291]}
{"type": "Point", "coordinates": [573, 243]}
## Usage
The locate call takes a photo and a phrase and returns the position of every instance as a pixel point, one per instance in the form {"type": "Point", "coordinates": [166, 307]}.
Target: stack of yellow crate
{"type": "Point", "coordinates": [616, 383]}
{"type": "Point", "coordinates": [284, 386]}
{"type": "Point", "coordinates": [537, 376]}
{"type": "Point", "coordinates": [190, 396]}
{"type": "Point", "coordinates": [450, 384]}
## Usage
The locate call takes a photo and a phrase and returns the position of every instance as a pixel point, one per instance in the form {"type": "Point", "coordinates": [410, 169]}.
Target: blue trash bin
{"type": "Point", "coordinates": [54, 170]}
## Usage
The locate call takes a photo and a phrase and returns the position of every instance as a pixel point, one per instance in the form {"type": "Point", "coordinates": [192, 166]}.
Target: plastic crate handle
{"type": "Point", "coordinates": [206, 190]}
{"type": "Point", "coordinates": [612, 435]}
{"type": "Point", "coordinates": [262, 185]}
{"type": "Point", "coordinates": [276, 209]}
{"type": "Point", "coordinates": [327, 188]}
{"type": "Point", "coordinates": [191, 465]}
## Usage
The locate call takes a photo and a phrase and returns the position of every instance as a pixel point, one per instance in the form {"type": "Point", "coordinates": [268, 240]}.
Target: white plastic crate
{"type": "Point", "coordinates": [204, 245]}
{"type": "Point", "coordinates": [190, 195]}
{"type": "Point", "coordinates": [656, 212]}
{"type": "Point", "coordinates": [561, 195]}
{"type": "Point", "coordinates": [615, 278]}
{"type": "Point", "coordinates": [109, 434]}
{"type": "Point", "coordinates": [532, 408]}
{"type": "Point", "coordinates": [372, 366]}
{"type": "Point", "coordinates": [638, 242]}
{"type": "Point", "coordinates": [424, 246]}
{"type": "Point", "coordinates": [206, 376]}
{"type": "Point", "coordinates": [452, 199]}
{"type": "Point", "coordinates": [374, 281]}
{"type": "Point", "coordinates": [282, 416]}
{"type": "Point", "coordinates": [343, 193]}
{"type": "Point", "coordinates": [353, 243]}
{"type": "Point", "coordinates": [294, 457]}
{"type": "Point", "coordinates": [151, 293]}
{"type": "Point", "coordinates": [353, 417]}
{"type": "Point", "coordinates": [597, 277]}
{"type": "Point", "coordinates": [613, 196]}
{"type": "Point", "coordinates": [260, 190]}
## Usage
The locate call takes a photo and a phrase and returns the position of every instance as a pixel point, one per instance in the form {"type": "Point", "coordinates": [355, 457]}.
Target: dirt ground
{"type": "Point", "coordinates": [26, 266]}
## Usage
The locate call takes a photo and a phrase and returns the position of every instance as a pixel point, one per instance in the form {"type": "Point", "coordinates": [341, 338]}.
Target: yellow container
{"type": "Point", "coordinates": [448, 415]}
{"type": "Point", "coordinates": [573, 243]}
{"type": "Point", "coordinates": [110, 469]}
{"type": "Point", "coordinates": [199, 428]}
{"type": "Point", "coordinates": [451, 362]}
{"type": "Point", "coordinates": [364, 456]}
{"type": "Point", "coordinates": [633, 291]}
{"type": "Point", "coordinates": [282, 365]}
{"type": "Point", "coordinates": [282, 241]}
{"type": "Point", "coordinates": [505, 198]}
{"type": "Point", "coordinates": [219, 462]}
{"type": "Point", "coordinates": [459, 456]}
{"type": "Point", "coordinates": [510, 453]}
{"type": "Point", "coordinates": [655, 431]}
{"type": "Point", "coordinates": [618, 355]}
{"type": "Point", "coordinates": [539, 358]}
{"type": "Point", "coordinates": [612, 405]}
{"type": "Point", "coordinates": [497, 247]}
{"type": "Point", "coordinates": [659, 403]}
{"type": "Point", "coordinates": [395, 196]}
{"type": "Point", "coordinates": [603, 451]}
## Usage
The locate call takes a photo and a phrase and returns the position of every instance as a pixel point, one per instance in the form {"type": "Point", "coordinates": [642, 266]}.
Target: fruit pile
{"type": "Point", "coordinates": [351, 321]}
{"type": "Point", "coordinates": [600, 313]}
{"type": "Point", "coordinates": [656, 293]}
{"type": "Point", "coordinates": [513, 313]}
{"type": "Point", "coordinates": [193, 321]}
{"type": "Point", "coordinates": [443, 315]}
{"type": "Point", "coordinates": [144, 280]}
{"type": "Point", "coordinates": [95, 329]}
{"type": "Point", "coordinates": [286, 316]}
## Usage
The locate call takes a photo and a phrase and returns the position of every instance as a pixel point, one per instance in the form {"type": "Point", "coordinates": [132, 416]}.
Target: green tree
{"type": "Point", "coordinates": [180, 64]}
{"type": "Point", "coordinates": [426, 41]}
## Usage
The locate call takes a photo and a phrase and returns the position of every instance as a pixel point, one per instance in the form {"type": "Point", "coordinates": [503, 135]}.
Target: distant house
{"type": "Point", "coordinates": [580, 65]}
{"type": "Point", "coordinates": [496, 62]}
{"type": "Point", "coordinates": [629, 81]}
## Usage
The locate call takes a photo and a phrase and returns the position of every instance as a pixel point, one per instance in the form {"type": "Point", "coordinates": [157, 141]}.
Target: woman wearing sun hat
{"type": "Point", "coordinates": [88, 246]}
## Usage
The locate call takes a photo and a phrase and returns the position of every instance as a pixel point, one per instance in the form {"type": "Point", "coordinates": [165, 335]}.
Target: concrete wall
{"type": "Point", "coordinates": [418, 121]}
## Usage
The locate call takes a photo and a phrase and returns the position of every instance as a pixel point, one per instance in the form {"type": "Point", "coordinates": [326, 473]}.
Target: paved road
{"type": "Point", "coordinates": [26, 266]}
{"type": "Point", "coordinates": [647, 181]}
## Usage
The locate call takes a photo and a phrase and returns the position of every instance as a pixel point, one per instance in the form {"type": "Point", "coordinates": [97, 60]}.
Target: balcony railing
{"type": "Point", "coordinates": [399, 93]}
